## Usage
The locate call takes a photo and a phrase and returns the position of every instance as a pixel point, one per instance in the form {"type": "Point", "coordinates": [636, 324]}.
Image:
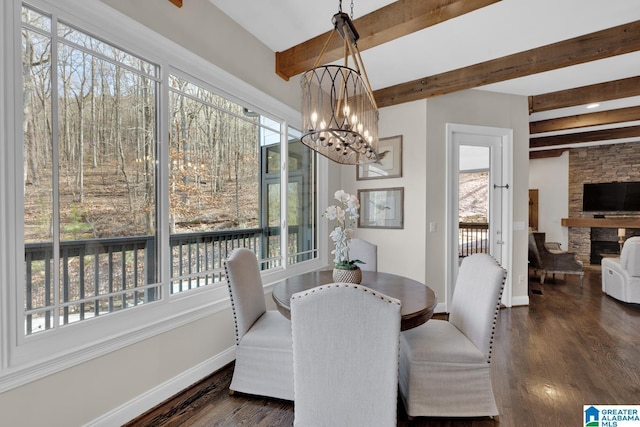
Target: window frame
{"type": "Point", "coordinates": [27, 358]}
{"type": "Point", "coordinates": [58, 241]}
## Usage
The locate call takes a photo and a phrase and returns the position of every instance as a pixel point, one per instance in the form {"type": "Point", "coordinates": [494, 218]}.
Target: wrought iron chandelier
{"type": "Point", "coordinates": [339, 112]}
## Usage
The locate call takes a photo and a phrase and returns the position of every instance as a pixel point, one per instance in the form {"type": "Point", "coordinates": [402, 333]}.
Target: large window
{"type": "Point", "coordinates": [301, 198]}
{"type": "Point", "coordinates": [116, 216]}
{"type": "Point", "coordinates": [224, 186]}
{"type": "Point", "coordinates": [89, 175]}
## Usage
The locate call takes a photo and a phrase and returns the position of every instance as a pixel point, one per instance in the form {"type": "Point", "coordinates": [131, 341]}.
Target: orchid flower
{"type": "Point", "coordinates": [345, 214]}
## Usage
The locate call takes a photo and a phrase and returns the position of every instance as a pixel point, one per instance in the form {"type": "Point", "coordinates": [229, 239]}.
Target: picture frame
{"type": "Point", "coordinates": [381, 208]}
{"type": "Point", "coordinates": [389, 166]}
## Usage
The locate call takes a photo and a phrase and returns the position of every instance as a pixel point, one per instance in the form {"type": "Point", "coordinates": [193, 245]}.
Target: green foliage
{"type": "Point", "coordinates": [76, 224]}
{"type": "Point", "coordinates": [348, 265]}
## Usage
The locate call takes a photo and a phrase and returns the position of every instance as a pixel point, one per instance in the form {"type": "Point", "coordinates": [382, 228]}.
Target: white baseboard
{"type": "Point", "coordinates": [162, 392]}
{"type": "Point", "coordinates": [440, 308]}
{"type": "Point", "coordinates": [521, 300]}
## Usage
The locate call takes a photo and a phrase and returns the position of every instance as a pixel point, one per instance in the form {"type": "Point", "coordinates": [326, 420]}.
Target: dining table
{"type": "Point", "coordinates": [417, 299]}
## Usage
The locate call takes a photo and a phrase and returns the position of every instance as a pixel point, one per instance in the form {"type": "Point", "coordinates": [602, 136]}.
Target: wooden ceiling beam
{"type": "Point", "coordinates": [590, 47]}
{"type": "Point", "coordinates": [177, 2]}
{"type": "Point", "coordinates": [600, 92]}
{"type": "Point", "coordinates": [383, 25]}
{"type": "Point", "coordinates": [546, 153]}
{"type": "Point", "coordinates": [573, 138]}
{"type": "Point", "coordinates": [620, 115]}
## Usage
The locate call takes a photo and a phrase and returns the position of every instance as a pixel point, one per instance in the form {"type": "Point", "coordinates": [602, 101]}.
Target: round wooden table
{"type": "Point", "coordinates": [418, 301]}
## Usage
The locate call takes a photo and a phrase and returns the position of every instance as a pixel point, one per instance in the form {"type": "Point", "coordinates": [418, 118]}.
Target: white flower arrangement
{"type": "Point", "coordinates": [345, 214]}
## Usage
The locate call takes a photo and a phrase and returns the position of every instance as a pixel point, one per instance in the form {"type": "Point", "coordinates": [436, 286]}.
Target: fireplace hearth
{"type": "Point", "coordinates": [603, 248]}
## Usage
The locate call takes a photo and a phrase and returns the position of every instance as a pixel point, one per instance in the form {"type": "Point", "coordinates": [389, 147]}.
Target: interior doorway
{"type": "Point", "coordinates": [533, 209]}
{"type": "Point", "coordinates": [479, 202]}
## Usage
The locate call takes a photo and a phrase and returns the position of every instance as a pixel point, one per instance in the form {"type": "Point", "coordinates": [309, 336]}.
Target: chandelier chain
{"type": "Point", "coordinates": [340, 8]}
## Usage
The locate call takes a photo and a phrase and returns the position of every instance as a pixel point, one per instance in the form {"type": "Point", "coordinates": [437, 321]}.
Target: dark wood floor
{"type": "Point", "coordinates": [572, 346]}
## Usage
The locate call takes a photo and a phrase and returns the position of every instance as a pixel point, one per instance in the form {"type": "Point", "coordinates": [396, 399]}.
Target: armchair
{"type": "Point", "coordinates": [549, 259]}
{"type": "Point", "coordinates": [621, 276]}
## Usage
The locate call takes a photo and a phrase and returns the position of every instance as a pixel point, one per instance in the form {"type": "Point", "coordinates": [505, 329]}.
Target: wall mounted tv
{"type": "Point", "coordinates": [611, 197]}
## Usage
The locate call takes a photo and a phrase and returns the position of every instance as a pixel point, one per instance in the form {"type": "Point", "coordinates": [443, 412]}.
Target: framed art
{"type": "Point", "coordinates": [381, 208]}
{"type": "Point", "coordinates": [390, 163]}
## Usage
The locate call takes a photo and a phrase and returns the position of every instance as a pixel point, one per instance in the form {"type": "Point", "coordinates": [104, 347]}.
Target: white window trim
{"type": "Point", "coordinates": [44, 354]}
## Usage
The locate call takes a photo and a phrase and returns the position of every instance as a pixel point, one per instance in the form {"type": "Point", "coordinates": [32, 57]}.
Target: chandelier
{"type": "Point", "coordinates": [339, 112]}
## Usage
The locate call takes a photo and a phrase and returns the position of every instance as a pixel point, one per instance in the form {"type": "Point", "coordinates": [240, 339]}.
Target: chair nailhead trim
{"type": "Point", "coordinates": [347, 285]}
{"type": "Point", "coordinates": [233, 306]}
{"type": "Point", "coordinates": [497, 311]}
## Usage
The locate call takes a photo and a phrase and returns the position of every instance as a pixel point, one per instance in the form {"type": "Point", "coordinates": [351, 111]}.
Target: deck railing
{"type": "Point", "coordinates": [472, 238]}
{"type": "Point", "coordinates": [104, 275]}
{"type": "Point", "coordinates": [100, 276]}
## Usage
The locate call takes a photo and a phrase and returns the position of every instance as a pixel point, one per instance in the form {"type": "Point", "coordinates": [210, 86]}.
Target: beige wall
{"type": "Point", "coordinates": [401, 251]}
{"type": "Point", "coordinates": [480, 108]}
{"type": "Point", "coordinates": [83, 393]}
{"type": "Point", "coordinates": [413, 251]}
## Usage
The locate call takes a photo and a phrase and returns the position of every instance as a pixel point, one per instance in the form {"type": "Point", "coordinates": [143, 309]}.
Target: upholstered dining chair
{"type": "Point", "coordinates": [264, 352]}
{"type": "Point", "coordinates": [366, 252]}
{"type": "Point", "coordinates": [445, 365]}
{"type": "Point", "coordinates": [345, 356]}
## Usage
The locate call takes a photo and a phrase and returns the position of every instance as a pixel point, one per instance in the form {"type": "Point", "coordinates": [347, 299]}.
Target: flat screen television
{"type": "Point", "coordinates": [611, 197]}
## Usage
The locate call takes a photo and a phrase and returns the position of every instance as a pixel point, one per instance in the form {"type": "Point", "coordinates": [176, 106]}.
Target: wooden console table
{"type": "Point", "coordinates": [611, 222]}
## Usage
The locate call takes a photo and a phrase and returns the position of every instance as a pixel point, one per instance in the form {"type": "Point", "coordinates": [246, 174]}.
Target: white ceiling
{"type": "Point", "coordinates": [494, 31]}
{"type": "Point", "coordinates": [497, 30]}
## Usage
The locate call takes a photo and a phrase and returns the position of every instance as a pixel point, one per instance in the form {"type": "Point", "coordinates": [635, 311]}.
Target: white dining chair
{"type": "Point", "coordinates": [345, 356]}
{"type": "Point", "coordinates": [264, 351]}
{"type": "Point", "coordinates": [366, 252]}
{"type": "Point", "coordinates": [445, 366]}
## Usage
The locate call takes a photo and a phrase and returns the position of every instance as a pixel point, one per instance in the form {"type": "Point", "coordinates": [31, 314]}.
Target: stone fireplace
{"type": "Point", "coordinates": [594, 238]}
{"type": "Point", "coordinates": [604, 163]}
